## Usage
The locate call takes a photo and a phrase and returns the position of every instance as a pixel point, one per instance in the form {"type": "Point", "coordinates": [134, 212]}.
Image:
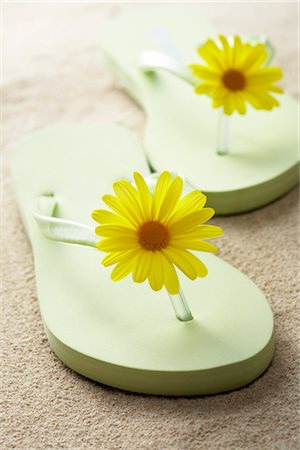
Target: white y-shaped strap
{"type": "Point", "coordinates": [59, 229]}
{"type": "Point", "coordinates": [151, 61]}
{"type": "Point", "coordinates": [72, 232]}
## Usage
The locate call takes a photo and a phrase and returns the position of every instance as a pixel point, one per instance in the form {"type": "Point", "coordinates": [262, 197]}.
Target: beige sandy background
{"type": "Point", "coordinates": [54, 72]}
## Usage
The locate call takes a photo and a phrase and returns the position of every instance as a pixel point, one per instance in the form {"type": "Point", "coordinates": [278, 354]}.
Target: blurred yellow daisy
{"type": "Point", "coordinates": [147, 235]}
{"type": "Point", "coordinates": [236, 74]}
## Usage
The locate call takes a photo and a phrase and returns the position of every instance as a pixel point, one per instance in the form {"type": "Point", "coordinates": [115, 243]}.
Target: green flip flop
{"type": "Point", "coordinates": [181, 127]}
{"type": "Point", "coordinates": [124, 334]}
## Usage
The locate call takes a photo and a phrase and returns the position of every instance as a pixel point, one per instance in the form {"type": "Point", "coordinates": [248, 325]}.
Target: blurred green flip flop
{"type": "Point", "coordinates": [184, 133]}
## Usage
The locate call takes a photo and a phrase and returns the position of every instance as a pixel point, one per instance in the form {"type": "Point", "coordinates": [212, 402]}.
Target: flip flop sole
{"type": "Point", "coordinates": [124, 334]}
{"type": "Point", "coordinates": [181, 131]}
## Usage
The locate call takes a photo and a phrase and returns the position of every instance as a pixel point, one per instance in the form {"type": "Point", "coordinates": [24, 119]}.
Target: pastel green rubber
{"type": "Point", "coordinates": [181, 131]}
{"type": "Point", "coordinates": [123, 334]}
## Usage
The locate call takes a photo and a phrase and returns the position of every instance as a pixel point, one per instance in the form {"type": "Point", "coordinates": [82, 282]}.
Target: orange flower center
{"type": "Point", "coordinates": [153, 235]}
{"type": "Point", "coordinates": [234, 80]}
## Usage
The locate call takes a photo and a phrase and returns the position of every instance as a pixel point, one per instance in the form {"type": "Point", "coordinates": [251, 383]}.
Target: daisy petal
{"type": "Point", "coordinates": [204, 73]}
{"type": "Point", "coordinates": [254, 57]}
{"type": "Point", "coordinates": [220, 97]}
{"type": "Point", "coordinates": [227, 50]}
{"type": "Point", "coordinates": [171, 198]}
{"type": "Point", "coordinates": [212, 55]}
{"type": "Point", "coordinates": [115, 257]}
{"type": "Point", "coordinates": [171, 280]}
{"type": "Point", "coordinates": [200, 246]}
{"type": "Point", "coordinates": [121, 270]}
{"type": "Point", "coordinates": [229, 105]}
{"type": "Point", "coordinates": [156, 274]}
{"type": "Point", "coordinates": [201, 232]}
{"type": "Point", "coordinates": [265, 75]}
{"type": "Point", "coordinates": [276, 89]}
{"type": "Point", "coordinates": [129, 199]}
{"type": "Point", "coordinates": [177, 257]}
{"type": "Point", "coordinates": [200, 268]}
{"type": "Point", "coordinates": [142, 266]}
{"type": "Point", "coordinates": [161, 188]}
{"type": "Point", "coordinates": [115, 204]}
{"type": "Point", "coordinates": [117, 244]}
{"type": "Point", "coordinates": [114, 230]}
{"type": "Point", "coordinates": [261, 100]}
{"type": "Point", "coordinates": [236, 51]}
{"type": "Point", "coordinates": [240, 103]}
{"type": "Point", "coordinates": [193, 201]}
{"type": "Point", "coordinates": [191, 220]}
{"type": "Point", "coordinates": [104, 216]}
{"type": "Point", "coordinates": [144, 195]}
{"type": "Point", "coordinates": [205, 88]}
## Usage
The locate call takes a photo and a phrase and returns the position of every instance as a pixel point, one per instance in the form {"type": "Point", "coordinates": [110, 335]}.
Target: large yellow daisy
{"type": "Point", "coordinates": [236, 74]}
{"type": "Point", "coordinates": [147, 235]}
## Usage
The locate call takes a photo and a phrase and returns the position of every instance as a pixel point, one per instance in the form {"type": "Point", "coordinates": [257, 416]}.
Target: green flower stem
{"type": "Point", "coordinates": [223, 135]}
{"type": "Point", "coordinates": [181, 308]}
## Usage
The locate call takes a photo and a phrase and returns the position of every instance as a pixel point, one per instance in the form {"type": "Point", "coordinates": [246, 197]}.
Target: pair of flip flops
{"type": "Point", "coordinates": [125, 334]}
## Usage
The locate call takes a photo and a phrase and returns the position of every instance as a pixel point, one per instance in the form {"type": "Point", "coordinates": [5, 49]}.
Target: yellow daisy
{"type": "Point", "coordinates": [236, 74]}
{"type": "Point", "coordinates": [147, 235]}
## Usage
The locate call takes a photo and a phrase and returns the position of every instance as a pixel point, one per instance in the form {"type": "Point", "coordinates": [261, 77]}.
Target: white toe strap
{"type": "Point", "coordinates": [59, 229]}
{"type": "Point", "coordinates": [72, 232]}
{"type": "Point", "coordinates": [151, 61]}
